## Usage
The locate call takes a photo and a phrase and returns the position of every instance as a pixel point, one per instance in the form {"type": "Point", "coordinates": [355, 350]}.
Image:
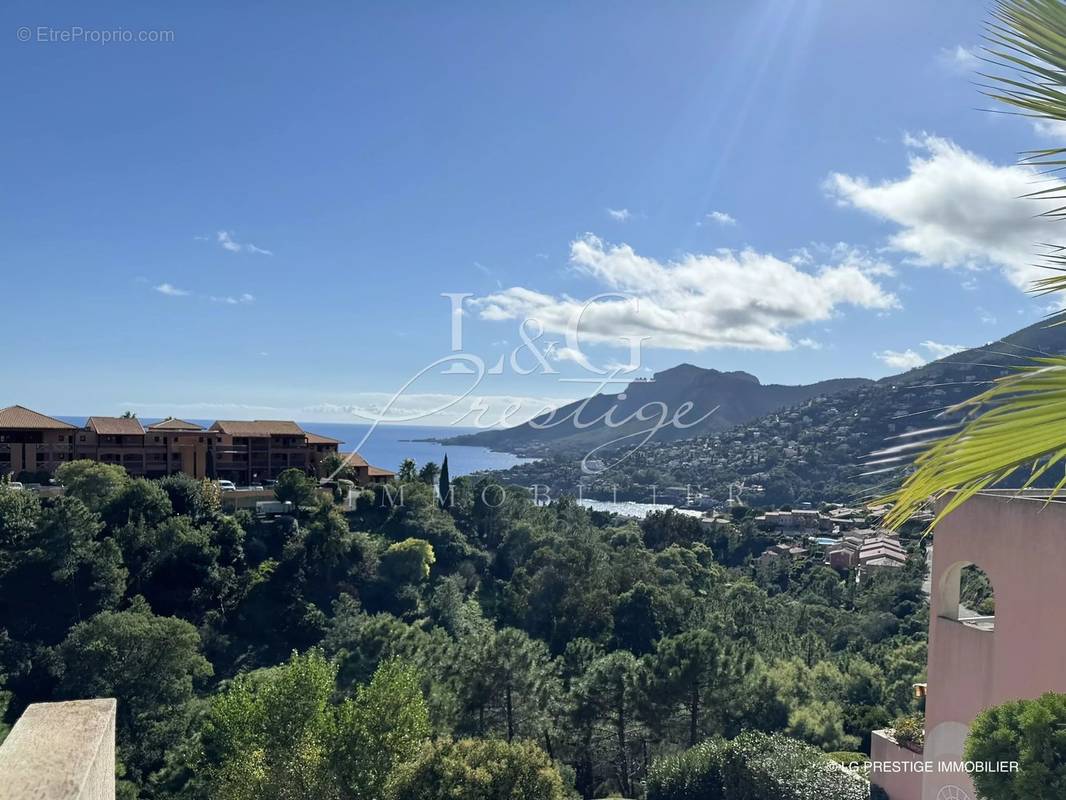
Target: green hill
{"type": "Point", "coordinates": [815, 450]}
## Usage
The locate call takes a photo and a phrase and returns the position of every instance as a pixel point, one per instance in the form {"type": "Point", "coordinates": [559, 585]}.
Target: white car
{"type": "Point", "coordinates": [227, 486]}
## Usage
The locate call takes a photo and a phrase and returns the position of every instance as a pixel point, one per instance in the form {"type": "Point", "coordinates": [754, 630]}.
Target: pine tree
{"type": "Point", "coordinates": [445, 485]}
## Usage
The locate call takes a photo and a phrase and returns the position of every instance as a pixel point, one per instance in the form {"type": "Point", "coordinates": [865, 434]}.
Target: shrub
{"type": "Point", "coordinates": [755, 766]}
{"type": "Point", "coordinates": [760, 766]}
{"type": "Point", "coordinates": [1030, 732]}
{"type": "Point", "coordinates": [695, 773]}
{"type": "Point", "coordinates": [909, 731]}
{"type": "Point", "coordinates": [479, 769]}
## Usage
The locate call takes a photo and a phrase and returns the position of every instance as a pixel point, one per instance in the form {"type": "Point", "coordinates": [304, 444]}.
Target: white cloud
{"type": "Point", "coordinates": [477, 411]}
{"type": "Point", "coordinates": [620, 214]}
{"type": "Point", "coordinates": [241, 299]}
{"type": "Point", "coordinates": [960, 59]}
{"type": "Point", "coordinates": [907, 359]}
{"type": "Point", "coordinates": [225, 238]}
{"type": "Point", "coordinates": [723, 299]}
{"type": "Point", "coordinates": [721, 218]}
{"type": "Point", "coordinates": [170, 290]}
{"type": "Point", "coordinates": [938, 350]}
{"type": "Point", "coordinates": [1050, 129]}
{"type": "Point", "coordinates": [956, 209]}
{"type": "Point", "coordinates": [467, 411]}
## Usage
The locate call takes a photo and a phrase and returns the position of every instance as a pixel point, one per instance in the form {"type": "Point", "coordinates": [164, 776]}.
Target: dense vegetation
{"type": "Point", "coordinates": [1029, 732]}
{"type": "Point", "coordinates": [568, 649]}
{"type": "Point", "coordinates": [753, 766]}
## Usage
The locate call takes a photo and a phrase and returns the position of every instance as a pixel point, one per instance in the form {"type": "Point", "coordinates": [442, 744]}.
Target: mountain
{"type": "Point", "coordinates": [720, 400]}
{"type": "Point", "coordinates": [820, 449]}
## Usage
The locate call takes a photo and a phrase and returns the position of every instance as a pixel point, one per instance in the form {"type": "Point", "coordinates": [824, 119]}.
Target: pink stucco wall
{"type": "Point", "coordinates": [902, 782]}
{"type": "Point", "coordinates": [1020, 543]}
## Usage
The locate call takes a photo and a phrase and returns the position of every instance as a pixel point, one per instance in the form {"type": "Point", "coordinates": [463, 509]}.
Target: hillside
{"type": "Point", "coordinates": [738, 397]}
{"type": "Point", "coordinates": [816, 450]}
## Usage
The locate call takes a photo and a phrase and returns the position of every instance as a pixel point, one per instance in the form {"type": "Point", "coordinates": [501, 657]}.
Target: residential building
{"type": "Point", "coordinates": [32, 442]}
{"type": "Point", "coordinates": [977, 662]}
{"type": "Point", "coordinates": [869, 549]}
{"type": "Point", "coordinates": [781, 551]}
{"type": "Point", "coordinates": [243, 451]}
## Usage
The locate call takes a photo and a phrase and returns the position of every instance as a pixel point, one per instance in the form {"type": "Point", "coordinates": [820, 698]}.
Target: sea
{"type": "Point", "coordinates": [635, 510]}
{"type": "Point", "coordinates": [388, 445]}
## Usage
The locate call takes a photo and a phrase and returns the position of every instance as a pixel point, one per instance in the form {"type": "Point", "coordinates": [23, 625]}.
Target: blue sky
{"type": "Point", "coordinates": [259, 217]}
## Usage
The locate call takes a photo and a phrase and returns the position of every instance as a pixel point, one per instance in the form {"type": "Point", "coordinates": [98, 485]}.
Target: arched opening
{"type": "Point", "coordinates": [967, 596]}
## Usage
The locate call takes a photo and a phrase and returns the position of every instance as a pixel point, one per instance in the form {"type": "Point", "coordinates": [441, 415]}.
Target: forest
{"type": "Point", "coordinates": [411, 646]}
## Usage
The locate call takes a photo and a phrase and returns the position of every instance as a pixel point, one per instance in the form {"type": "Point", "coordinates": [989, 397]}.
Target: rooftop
{"type": "Point", "coordinates": [317, 438]}
{"type": "Point", "coordinates": [20, 417]}
{"type": "Point", "coordinates": [174, 424]}
{"type": "Point", "coordinates": [353, 459]}
{"type": "Point", "coordinates": [115, 426]}
{"type": "Point", "coordinates": [258, 427]}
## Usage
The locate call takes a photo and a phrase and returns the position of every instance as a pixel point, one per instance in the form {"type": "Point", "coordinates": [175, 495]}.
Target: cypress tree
{"type": "Point", "coordinates": [445, 484]}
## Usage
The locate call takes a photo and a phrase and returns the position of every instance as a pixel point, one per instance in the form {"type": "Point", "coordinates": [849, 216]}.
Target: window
{"type": "Point", "coordinates": [967, 596]}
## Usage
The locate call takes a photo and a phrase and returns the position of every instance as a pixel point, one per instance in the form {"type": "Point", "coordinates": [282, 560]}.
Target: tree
{"type": "Point", "coordinates": [19, 515]}
{"type": "Point", "coordinates": [383, 727]}
{"type": "Point", "coordinates": [277, 735]}
{"type": "Point", "coordinates": [429, 473]}
{"type": "Point", "coordinates": [268, 735]}
{"type": "Point", "coordinates": [407, 561]}
{"type": "Point", "coordinates": [697, 673]}
{"type": "Point", "coordinates": [150, 664]}
{"type": "Point", "coordinates": [295, 487]}
{"type": "Point", "coordinates": [609, 695]}
{"type": "Point", "coordinates": [141, 500]}
{"type": "Point", "coordinates": [478, 769]}
{"type": "Point", "coordinates": [92, 482]}
{"type": "Point", "coordinates": [1030, 732]}
{"type": "Point", "coordinates": [444, 486]}
{"type": "Point", "coordinates": [507, 684]}
{"type": "Point", "coordinates": [59, 576]}
{"type": "Point", "coordinates": [408, 471]}
{"type": "Point", "coordinates": [189, 496]}
{"type": "Point", "coordinates": [636, 620]}
{"type": "Point", "coordinates": [1020, 422]}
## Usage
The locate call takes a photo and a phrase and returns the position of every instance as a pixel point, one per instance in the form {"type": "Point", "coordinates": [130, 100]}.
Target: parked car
{"type": "Point", "coordinates": [227, 486]}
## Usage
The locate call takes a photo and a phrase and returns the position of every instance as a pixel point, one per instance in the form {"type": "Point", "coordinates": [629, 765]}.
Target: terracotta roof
{"type": "Point", "coordinates": [115, 426]}
{"type": "Point", "coordinates": [354, 459]}
{"type": "Point", "coordinates": [14, 417]}
{"type": "Point", "coordinates": [379, 472]}
{"type": "Point", "coordinates": [317, 438]}
{"type": "Point", "coordinates": [173, 424]}
{"type": "Point", "coordinates": [258, 427]}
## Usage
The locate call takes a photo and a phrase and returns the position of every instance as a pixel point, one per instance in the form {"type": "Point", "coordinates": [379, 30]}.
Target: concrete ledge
{"type": "Point", "coordinates": [898, 783]}
{"type": "Point", "coordinates": [61, 751]}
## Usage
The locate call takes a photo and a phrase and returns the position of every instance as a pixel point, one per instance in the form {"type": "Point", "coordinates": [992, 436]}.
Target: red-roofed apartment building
{"type": "Point", "coordinates": [239, 450]}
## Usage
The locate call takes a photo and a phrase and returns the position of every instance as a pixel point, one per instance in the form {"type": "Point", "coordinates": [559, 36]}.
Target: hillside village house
{"type": "Point", "coordinates": [238, 450]}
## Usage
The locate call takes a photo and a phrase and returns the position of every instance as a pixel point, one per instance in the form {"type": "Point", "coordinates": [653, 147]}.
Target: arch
{"type": "Point", "coordinates": [962, 586]}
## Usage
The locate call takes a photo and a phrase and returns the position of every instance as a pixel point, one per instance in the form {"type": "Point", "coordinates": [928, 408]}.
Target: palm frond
{"type": "Point", "coordinates": [1020, 422]}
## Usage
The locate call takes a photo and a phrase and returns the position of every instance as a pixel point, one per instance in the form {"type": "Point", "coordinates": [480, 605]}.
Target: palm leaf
{"type": "Point", "coordinates": [1019, 423]}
